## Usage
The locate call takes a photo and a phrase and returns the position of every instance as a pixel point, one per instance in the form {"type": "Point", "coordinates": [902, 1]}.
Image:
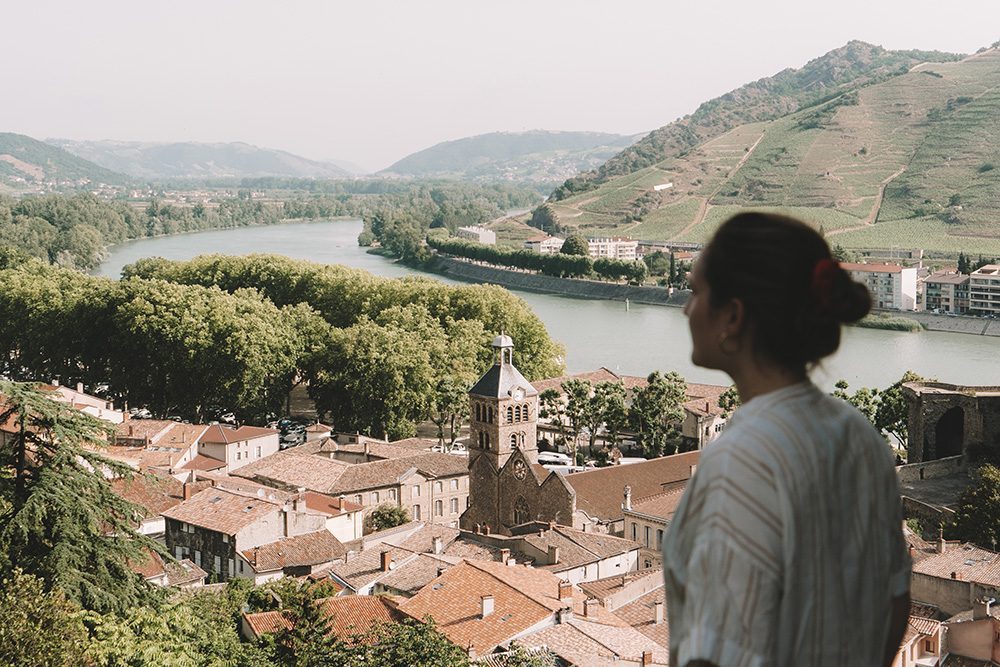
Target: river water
{"type": "Point", "coordinates": [633, 341]}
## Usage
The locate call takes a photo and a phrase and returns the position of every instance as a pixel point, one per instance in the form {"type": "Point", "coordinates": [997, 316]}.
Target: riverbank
{"type": "Point", "coordinates": [570, 287]}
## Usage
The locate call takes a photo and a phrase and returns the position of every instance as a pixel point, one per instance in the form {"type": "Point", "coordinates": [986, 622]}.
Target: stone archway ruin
{"type": "Point", "coordinates": [949, 433]}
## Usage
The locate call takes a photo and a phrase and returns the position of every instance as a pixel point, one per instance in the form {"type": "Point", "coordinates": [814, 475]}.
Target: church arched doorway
{"type": "Point", "coordinates": [949, 433]}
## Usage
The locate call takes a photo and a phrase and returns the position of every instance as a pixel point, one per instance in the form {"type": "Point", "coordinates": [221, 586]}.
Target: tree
{"type": "Point", "coordinates": [729, 400]}
{"type": "Point", "coordinates": [658, 262]}
{"type": "Point", "coordinates": [388, 515]}
{"type": "Point", "coordinates": [308, 641]}
{"type": "Point", "coordinates": [405, 643]}
{"type": "Point", "coordinates": [576, 245]}
{"type": "Point", "coordinates": [892, 415]}
{"type": "Point", "coordinates": [866, 399]}
{"type": "Point", "coordinates": [59, 518]}
{"type": "Point", "coordinates": [38, 628]}
{"type": "Point", "coordinates": [964, 265]}
{"type": "Point", "coordinates": [610, 407]}
{"type": "Point", "coordinates": [658, 412]}
{"type": "Point", "coordinates": [552, 407]}
{"type": "Point", "coordinates": [977, 518]}
{"type": "Point", "coordinates": [580, 410]}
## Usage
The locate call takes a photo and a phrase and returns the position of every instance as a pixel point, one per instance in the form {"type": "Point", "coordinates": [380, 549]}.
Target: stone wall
{"type": "Point", "coordinates": [913, 472]}
{"type": "Point", "coordinates": [929, 402]}
{"type": "Point", "coordinates": [533, 282]}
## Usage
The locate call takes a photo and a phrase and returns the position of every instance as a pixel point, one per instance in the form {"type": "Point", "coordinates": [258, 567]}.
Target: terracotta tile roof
{"type": "Point", "coordinates": [365, 568]}
{"type": "Point", "coordinates": [661, 505]}
{"type": "Point", "coordinates": [599, 492]}
{"type": "Point", "coordinates": [142, 458]}
{"type": "Point", "coordinates": [148, 566]}
{"type": "Point", "coordinates": [641, 615]}
{"type": "Point", "coordinates": [154, 493]}
{"type": "Point", "coordinates": [923, 610]}
{"type": "Point", "coordinates": [452, 543]}
{"type": "Point", "coordinates": [378, 450]}
{"type": "Point", "coordinates": [600, 375]}
{"type": "Point", "coordinates": [219, 434]}
{"type": "Point", "coordinates": [184, 572]}
{"type": "Point", "coordinates": [319, 502]}
{"type": "Point", "coordinates": [296, 468]}
{"type": "Point", "coordinates": [414, 574]}
{"type": "Point", "coordinates": [961, 661]}
{"type": "Point", "coordinates": [313, 548]}
{"type": "Point", "coordinates": [202, 462]}
{"type": "Point", "coordinates": [603, 588]}
{"type": "Point", "coordinates": [418, 444]}
{"type": "Point", "coordinates": [453, 601]}
{"type": "Point", "coordinates": [924, 626]}
{"type": "Point", "coordinates": [581, 642]}
{"type": "Point", "coordinates": [142, 429]}
{"type": "Point", "coordinates": [388, 472]}
{"type": "Point", "coordinates": [577, 548]}
{"type": "Point", "coordinates": [223, 481]}
{"type": "Point", "coordinates": [348, 615]}
{"type": "Point", "coordinates": [318, 428]}
{"type": "Point", "coordinates": [968, 562]}
{"type": "Point", "coordinates": [182, 435]}
{"type": "Point", "coordinates": [947, 278]}
{"type": "Point", "coordinates": [222, 510]}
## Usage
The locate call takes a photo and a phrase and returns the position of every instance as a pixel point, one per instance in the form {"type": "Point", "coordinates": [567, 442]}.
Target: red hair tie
{"type": "Point", "coordinates": [824, 277]}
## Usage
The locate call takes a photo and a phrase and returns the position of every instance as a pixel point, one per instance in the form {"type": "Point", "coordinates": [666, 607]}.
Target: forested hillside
{"type": "Point", "coordinates": [28, 164]}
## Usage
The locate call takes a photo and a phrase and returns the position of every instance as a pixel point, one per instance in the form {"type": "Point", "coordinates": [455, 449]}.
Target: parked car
{"type": "Point", "coordinates": [554, 458]}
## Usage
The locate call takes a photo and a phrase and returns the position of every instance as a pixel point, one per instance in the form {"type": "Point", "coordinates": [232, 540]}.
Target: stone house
{"type": "Point", "coordinates": [215, 525]}
{"type": "Point", "coordinates": [646, 521]}
{"type": "Point", "coordinates": [955, 576]}
{"type": "Point", "coordinates": [237, 446]}
{"type": "Point", "coordinates": [972, 637]}
{"type": "Point", "coordinates": [296, 556]}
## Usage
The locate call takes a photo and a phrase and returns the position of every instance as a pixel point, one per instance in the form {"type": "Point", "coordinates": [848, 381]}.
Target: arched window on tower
{"type": "Point", "coordinates": [479, 414]}
{"type": "Point", "coordinates": [487, 439]}
{"type": "Point", "coordinates": [489, 414]}
{"type": "Point", "coordinates": [517, 413]}
{"type": "Point", "coordinates": [510, 414]}
{"type": "Point", "coordinates": [513, 439]}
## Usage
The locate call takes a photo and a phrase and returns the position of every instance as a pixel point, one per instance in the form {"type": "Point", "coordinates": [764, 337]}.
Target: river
{"type": "Point", "coordinates": [602, 333]}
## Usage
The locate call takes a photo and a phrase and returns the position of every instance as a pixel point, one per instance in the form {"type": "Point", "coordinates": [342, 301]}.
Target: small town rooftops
{"type": "Point", "coordinates": [661, 505]}
{"type": "Point", "coordinates": [947, 278]}
{"type": "Point", "coordinates": [965, 562]}
{"type": "Point", "coordinates": [596, 489]}
{"type": "Point", "coordinates": [153, 493]}
{"type": "Point", "coordinates": [313, 548]}
{"type": "Point", "coordinates": [388, 472]}
{"type": "Point", "coordinates": [222, 510]}
{"type": "Point", "coordinates": [296, 467]}
{"type": "Point", "coordinates": [578, 548]}
{"type": "Point", "coordinates": [871, 268]}
{"type": "Point", "coordinates": [349, 615]}
{"type": "Point", "coordinates": [219, 434]}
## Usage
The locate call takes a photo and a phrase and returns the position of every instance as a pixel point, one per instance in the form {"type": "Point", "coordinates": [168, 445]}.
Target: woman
{"type": "Point", "coordinates": [787, 547]}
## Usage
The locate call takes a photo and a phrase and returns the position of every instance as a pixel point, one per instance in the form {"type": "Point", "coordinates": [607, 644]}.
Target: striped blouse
{"type": "Point", "coordinates": [787, 547]}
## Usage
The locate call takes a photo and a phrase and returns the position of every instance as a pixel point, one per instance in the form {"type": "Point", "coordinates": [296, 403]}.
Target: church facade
{"type": "Point", "coordinates": [507, 486]}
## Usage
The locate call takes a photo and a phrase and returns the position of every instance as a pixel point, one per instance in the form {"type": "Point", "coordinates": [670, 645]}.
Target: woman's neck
{"type": "Point", "coordinates": [754, 379]}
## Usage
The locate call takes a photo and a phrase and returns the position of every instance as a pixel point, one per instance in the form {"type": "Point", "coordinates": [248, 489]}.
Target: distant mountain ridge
{"type": "Point", "coordinates": [536, 155]}
{"type": "Point", "coordinates": [148, 160]}
{"type": "Point", "coordinates": [29, 164]}
{"type": "Point", "coordinates": [855, 64]}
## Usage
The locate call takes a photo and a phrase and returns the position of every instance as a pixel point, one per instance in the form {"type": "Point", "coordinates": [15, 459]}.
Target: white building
{"type": "Point", "coordinates": [892, 287]}
{"type": "Point", "coordinates": [545, 245]}
{"type": "Point", "coordinates": [984, 289]}
{"type": "Point", "coordinates": [477, 234]}
{"type": "Point", "coordinates": [614, 247]}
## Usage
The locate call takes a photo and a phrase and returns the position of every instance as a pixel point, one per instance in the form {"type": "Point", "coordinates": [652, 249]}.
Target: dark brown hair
{"type": "Point", "coordinates": [795, 297]}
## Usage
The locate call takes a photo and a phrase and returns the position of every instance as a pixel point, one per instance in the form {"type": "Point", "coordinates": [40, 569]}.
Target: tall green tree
{"type": "Point", "coordinates": [729, 400]}
{"type": "Point", "coordinates": [892, 414]}
{"type": "Point", "coordinates": [38, 628]}
{"type": "Point", "coordinates": [657, 413]}
{"type": "Point", "coordinates": [610, 399]}
{"type": "Point", "coordinates": [59, 518]}
{"type": "Point", "coordinates": [977, 518]}
{"type": "Point", "coordinates": [575, 245]}
{"type": "Point", "coordinates": [580, 411]}
{"type": "Point", "coordinates": [866, 399]}
{"type": "Point", "coordinates": [551, 406]}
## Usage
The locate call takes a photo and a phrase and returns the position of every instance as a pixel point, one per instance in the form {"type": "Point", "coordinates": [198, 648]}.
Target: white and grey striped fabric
{"type": "Point", "coordinates": [787, 548]}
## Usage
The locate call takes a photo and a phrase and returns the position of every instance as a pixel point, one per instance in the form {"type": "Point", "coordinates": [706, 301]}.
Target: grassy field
{"type": "Point", "coordinates": [827, 218]}
{"type": "Point", "coordinates": [928, 233]}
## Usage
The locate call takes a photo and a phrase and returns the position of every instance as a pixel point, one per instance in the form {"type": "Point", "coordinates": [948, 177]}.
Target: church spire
{"type": "Point", "coordinates": [505, 348]}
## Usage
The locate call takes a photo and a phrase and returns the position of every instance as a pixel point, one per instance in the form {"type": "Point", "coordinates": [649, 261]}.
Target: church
{"type": "Point", "coordinates": [508, 488]}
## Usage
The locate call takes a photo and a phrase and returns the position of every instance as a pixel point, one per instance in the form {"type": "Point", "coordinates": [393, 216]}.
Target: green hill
{"type": "Point", "coordinates": [910, 160]}
{"type": "Point", "coordinates": [181, 160]}
{"type": "Point", "coordinates": [27, 164]}
{"type": "Point", "coordinates": [537, 156]}
{"type": "Point", "coordinates": [854, 64]}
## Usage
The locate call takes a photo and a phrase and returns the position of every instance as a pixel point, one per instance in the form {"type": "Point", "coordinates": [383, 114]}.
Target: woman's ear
{"type": "Point", "coordinates": [735, 318]}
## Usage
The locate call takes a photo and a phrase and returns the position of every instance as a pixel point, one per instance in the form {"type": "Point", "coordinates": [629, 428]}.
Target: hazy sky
{"type": "Point", "coordinates": [371, 81]}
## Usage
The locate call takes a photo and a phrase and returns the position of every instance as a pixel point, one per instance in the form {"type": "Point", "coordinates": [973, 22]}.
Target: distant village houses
{"type": "Point", "coordinates": [478, 234]}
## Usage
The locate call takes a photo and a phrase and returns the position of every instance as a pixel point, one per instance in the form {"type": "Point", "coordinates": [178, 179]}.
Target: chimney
{"type": "Point", "coordinates": [440, 570]}
{"type": "Point", "coordinates": [589, 608]}
{"type": "Point", "coordinates": [708, 406]}
{"type": "Point", "coordinates": [485, 606]}
{"type": "Point", "coordinates": [564, 615]}
{"type": "Point", "coordinates": [55, 383]}
{"type": "Point", "coordinates": [658, 615]}
{"type": "Point", "coordinates": [131, 430]}
{"type": "Point", "coordinates": [627, 505]}
{"type": "Point", "coordinates": [386, 561]}
{"type": "Point", "coordinates": [647, 658]}
{"type": "Point", "coordinates": [942, 546]}
{"type": "Point", "coordinates": [504, 556]}
{"type": "Point", "coordinates": [299, 503]}
{"type": "Point", "coordinates": [566, 591]}
{"type": "Point", "coordinates": [368, 450]}
{"type": "Point", "coordinates": [486, 529]}
{"type": "Point", "coordinates": [553, 554]}
{"type": "Point", "coordinates": [79, 387]}
{"type": "Point", "coordinates": [438, 545]}
{"type": "Point", "coordinates": [981, 608]}
{"type": "Point", "coordinates": [188, 491]}
{"type": "Point", "coordinates": [348, 555]}
{"type": "Point", "coordinates": [956, 575]}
